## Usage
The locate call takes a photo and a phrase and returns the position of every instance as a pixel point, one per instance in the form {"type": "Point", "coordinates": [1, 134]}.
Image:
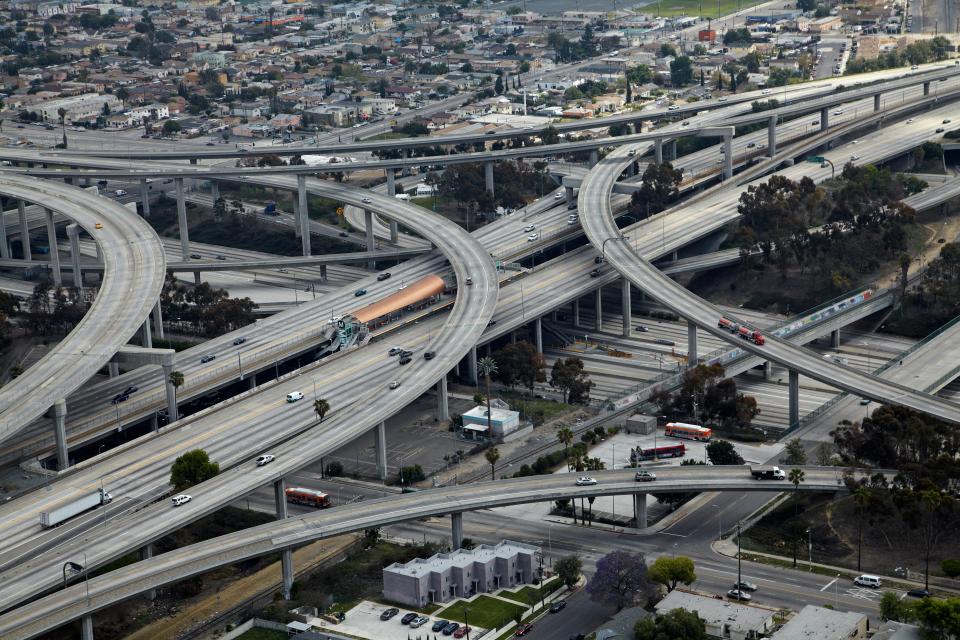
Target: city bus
{"type": "Point", "coordinates": [656, 453]}
{"type": "Point", "coordinates": [310, 497]}
{"type": "Point", "coordinates": [688, 431]}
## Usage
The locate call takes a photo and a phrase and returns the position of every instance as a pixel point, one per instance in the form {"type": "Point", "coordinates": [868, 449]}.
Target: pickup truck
{"type": "Point", "coordinates": [767, 473]}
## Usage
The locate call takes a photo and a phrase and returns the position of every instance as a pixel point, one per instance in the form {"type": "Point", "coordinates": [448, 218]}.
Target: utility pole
{"type": "Point", "coordinates": [739, 578]}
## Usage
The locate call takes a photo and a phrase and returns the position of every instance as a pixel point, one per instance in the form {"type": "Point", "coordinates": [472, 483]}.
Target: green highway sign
{"type": "Point", "coordinates": [816, 159]}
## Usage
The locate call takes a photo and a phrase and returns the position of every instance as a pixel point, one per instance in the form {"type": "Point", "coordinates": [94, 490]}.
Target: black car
{"type": "Point", "coordinates": [117, 399]}
{"type": "Point", "coordinates": [407, 618]}
{"type": "Point", "coordinates": [131, 389]}
{"type": "Point", "coordinates": [405, 360]}
{"type": "Point", "coordinates": [557, 606]}
{"type": "Point", "coordinates": [389, 613]}
{"type": "Point", "coordinates": [918, 593]}
{"type": "Point", "coordinates": [595, 273]}
{"type": "Point", "coordinates": [196, 256]}
{"type": "Point", "coordinates": [598, 260]}
{"type": "Point", "coordinates": [406, 354]}
{"type": "Point", "coordinates": [429, 355]}
{"type": "Point", "coordinates": [384, 275]}
{"type": "Point", "coordinates": [344, 234]}
{"type": "Point", "coordinates": [439, 625]}
{"type": "Point", "coordinates": [239, 341]}
{"type": "Point", "coordinates": [207, 358]}
{"type": "Point", "coordinates": [450, 628]}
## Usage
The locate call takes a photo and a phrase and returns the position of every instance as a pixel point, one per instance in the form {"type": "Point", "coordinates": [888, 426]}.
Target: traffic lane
{"type": "Point", "coordinates": [581, 616]}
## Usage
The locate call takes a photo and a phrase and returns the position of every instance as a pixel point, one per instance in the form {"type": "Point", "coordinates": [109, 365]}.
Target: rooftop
{"type": "Point", "coordinates": [737, 617]}
{"type": "Point", "coordinates": [819, 623]}
{"type": "Point", "coordinates": [461, 558]}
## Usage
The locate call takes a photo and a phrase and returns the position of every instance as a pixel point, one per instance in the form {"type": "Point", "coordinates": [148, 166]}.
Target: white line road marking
{"type": "Point", "coordinates": [828, 585]}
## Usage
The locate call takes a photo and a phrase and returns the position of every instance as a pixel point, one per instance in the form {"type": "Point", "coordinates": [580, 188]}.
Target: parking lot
{"type": "Point", "coordinates": [364, 621]}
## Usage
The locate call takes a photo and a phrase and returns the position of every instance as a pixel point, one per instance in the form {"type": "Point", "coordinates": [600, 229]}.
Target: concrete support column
{"type": "Point", "coordinates": [772, 135]}
{"type": "Point", "coordinates": [304, 213]}
{"type": "Point", "coordinates": [594, 158]}
{"type": "Point", "coordinates": [513, 337]}
{"type": "Point", "coordinates": [835, 339]}
{"type": "Point", "coordinates": [640, 510]}
{"type": "Point", "coordinates": [4, 247]}
{"type": "Point", "coordinates": [794, 402]}
{"type": "Point", "coordinates": [380, 445]}
{"type": "Point", "coordinates": [60, 433]}
{"type": "Point", "coordinates": [538, 334]}
{"type": "Point", "coordinates": [286, 556]}
{"type": "Point", "coordinates": [86, 627]}
{"type": "Point", "coordinates": [876, 102]}
{"type": "Point", "coordinates": [172, 414]}
{"type": "Point", "coordinates": [73, 233]}
{"type": "Point", "coordinates": [113, 369]}
{"type": "Point", "coordinates": [691, 344]}
{"type": "Point", "coordinates": [625, 306]}
{"type": "Point", "coordinates": [182, 220]}
{"type": "Point", "coordinates": [728, 156]}
{"type": "Point", "coordinates": [568, 194]}
{"type": "Point", "coordinates": [658, 150]}
{"type": "Point", "coordinates": [145, 554]}
{"type": "Point", "coordinates": [371, 242]}
{"type": "Point", "coordinates": [158, 320]}
{"type": "Point", "coordinates": [443, 406]}
{"type": "Point", "coordinates": [296, 217]}
{"type": "Point", "coordinates": [147, 334]}
{"type": "Point", "coordinates": [391, 182]}
{"type": "Point", "coordinates": [24, 230]}
{"type": "Point", "coordinates": [576, 312]}
{"type": "Point", "coordinates": [598, 308]}
{"type": "Point", "coordinates": [472, 365]}
{"type": "Point", "coordinates": [394, 232]}
{"type": "Point", "coordinates": [767, 370]}
{"type": "Point", "coordinates": [252, 380]}
{"type": "Point", "coordinates": [405, 170]}
{"type": "Point", "coordinates": [824, 119]}
{"type": "Point", "coordinates": [488, 176]}
{"type": "Point", "coordinates": [323, 272]}
{"type": "Point", "coordinates": [456, 526]}
{"type": "Point", "coordinates": [54, 251]}
{"type": "Point", "coordinates": [214, 190]}
{"type": "Point", "coordinates": [672, 153]}
{"type": "Point", "coordinates": [145, 198]}
{"type": "Point", "coordinates": [926, 88]}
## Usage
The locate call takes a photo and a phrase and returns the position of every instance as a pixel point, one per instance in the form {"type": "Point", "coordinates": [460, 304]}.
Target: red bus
{"type": "Point", "coordinates": [309, 497]}
{"type": "Point", "coordinates": [654, 453]}
{"type": "Point", "coordinates": [688, 431]}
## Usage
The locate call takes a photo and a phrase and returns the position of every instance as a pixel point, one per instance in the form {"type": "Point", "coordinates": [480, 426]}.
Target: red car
{"type": "Point", "coordinates": [523, 630]}
{"type": "Point", "coordinates": [462, 632]}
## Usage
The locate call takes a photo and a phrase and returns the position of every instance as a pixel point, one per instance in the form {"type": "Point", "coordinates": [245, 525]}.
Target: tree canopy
{"type": "Point", "coordinates": [621, 580]}
{"type": "Point", "coordinates": [678, 624]}
{"type": "Point", "coordinates": [192, 468]}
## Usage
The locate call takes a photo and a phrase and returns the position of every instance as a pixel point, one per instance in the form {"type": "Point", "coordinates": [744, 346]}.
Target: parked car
{"type": "Point", "coordinates": [439, 625]}
{"type": "Point", "coordinates": [451, 628]}
{"type": "Point", "coordinates": [918, 593]}
{"type": "Point", "coordinates": [462, 632]}
{"type": "Point", "coordinates": [265, 459]}
{"type": "Point", "coordinates": [523, 630]}
{"type": "Point", "coordinates": [419, 621]}
{"type": "Point", "coordinates": [584, 481]}
{"type": "Point", "coordinates": [407, 619]}
{"type": "Point", "coordinates": [557, 606]}
{"type": "Point", "coordinates": [389, 613]}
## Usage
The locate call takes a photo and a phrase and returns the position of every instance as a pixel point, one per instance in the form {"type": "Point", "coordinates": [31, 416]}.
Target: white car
{"type": "Point", "coordinates": [765, 91]}
{"type": "Point", "coordinates": [181, 499]}
{"type": "Point", "coordinates": [572, 220]}
{"type": "Point", "coordinates": [854, 158]}
{"type": "Point", "coordinates": [673, 107]}
{"type": "Point", "coordinates": [721, 99]}
{"type": "Point", "coordinates": [294, 396]}
{"type": "Point", "coordinates": [529, 228]}
{"type": "Point", "coordinates": [585, 481]}
{"type": "Point", "coordinates": [119, 193]}
{"type": "Point", "coordinates": [559, 196]}
{"type": "Point", "coordinates": [533, 237]}
{"type": "Point", "coordinates": [394, 384]}
{"type": "Point", "coordinates": [264, 459]}
{"type": "Point", "coordinates": [838, 112]}
{"type": "Point", "coordinates": [366, 200]}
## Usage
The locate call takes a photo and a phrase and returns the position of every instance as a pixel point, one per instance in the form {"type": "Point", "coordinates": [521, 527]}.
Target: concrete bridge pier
{"type": "Point", "coordinates": [145, 198]}
{"type": "Point", "coordinates": [835, 338]}
{"type": "Point", "coordinates": [672, 150]}
{"type": "Point", "coordinates": [727, 157]}
{"type": "Point", "coordinates": [391, 182]}
{"type": "Point", "coordinates": [576, 312]}
{"type": "Point", "coordinates": [794, 398]}
{"type": "Point", "coordinates": [772, 136]}
{"type": "Point", "coordinates": [296, 217]}
{"type": "Point", "coordinates": [472, 365]}
{"type": "Point", "coordinates": [113, 369]}
{"type": "Point", "coordinates": [767, 370]}
{"type": "Point", "coordinates": [73, 233]}
{"type": "Point", "coordinates": [286, 556]}
{"type": "Point", "coordinates": [146, 552]}
{"type": "Point", "coordinates": [371, 242]}
{"type": "Point", "coordinates": [443, 405]}
{"type": "Point", "coordinates": [926, 88]}
{"type": "Point", "coordinates": [568, 194]}
{"type": "Point", "coordinates": [4, 246]}
{"type": "Point", "coordinates": [380, 445]}
{"type": "Point", "coordinates": [640, 510]}
{"type": "Point", "coordinates": [824, 119]}
{"type": "Point", "coordinates": [323, 272]}
{"type": "Point", "coordinates": [24, 230]}
{"type": "Point", "coordinates": [54, 252]}
{"type": "Point", "coordinates": [538, 334]}
{"type": "Point", "coordinates": [594, 158]}
{"type": "Point", "coordinates": [147, 335]}
{"type": "Point", "coordinates": [60, 433]}
{"type": "Point", "coordinates": [394, 232]}
{"type": "Point", "coordinates": [172, 414]}
{"type": "Point", "coordinates": [304, 214]}
{"type": "Point", "coordinates": [691, 344]}
{"type": "Point", "coordinates": [626, 307]}
{"type": "Point", "coordinates": [214, 190]}
{"type": "Point", "coordinates": [598, 307]}
{"type": "Point", "coordinates": [488, 176]}
{"type": "Point", "coordinates": [658, 150]}
{"type": "Point", "coordinates": [876, 102]}
{"type": "Point", "coordinates": [182, 226]}
{"type": "Point", "coordinates": [158, 319]}
{"type": "Point", "coordinates": [86, 627]}
{"type": "Point", "coordinates": [456, 526]}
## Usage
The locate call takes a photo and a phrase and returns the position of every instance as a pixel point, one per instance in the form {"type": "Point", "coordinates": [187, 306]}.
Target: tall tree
{"type": "Point", "coordinates": [678, 624]}
{"type": "Point", "coordinates": [321, 407]}
{"type": "Point", "coordinates": [621, 580]}
{"type": "Point", "coordinates": [796, 454]}
{"type": "Point", "coordinates": [722, 452]}
{"type": "Point", "coordinates": [569, 376]}
{"type": "Point", "coordinates": [565, 436]}
{"type": "Point", "coordinates": [493, 456]}
{"type": "Point", "coordinates": [568, 570]}
{"type": "Point", "coordinates": [192, 468]}
{"type": "Point", "coordinates": [487, 367]}
{"type": "Point", "coordinates": [671, 571]}
{"type": "Point", "coordinates": [520, 363]}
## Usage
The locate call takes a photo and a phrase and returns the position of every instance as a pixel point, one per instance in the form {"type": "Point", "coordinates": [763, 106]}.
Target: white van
{"type": "Point", "coordinates": [294, 396]}
{"type": "Point", "coordinates": [180, 499]}
{"type": "Point", "coordinates": [866, 580]}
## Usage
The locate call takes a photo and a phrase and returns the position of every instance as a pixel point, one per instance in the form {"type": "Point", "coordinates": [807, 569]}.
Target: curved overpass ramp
{"type": "Point", "coordinates": [133, 276]}
{"type": "Point", "coordinates": [598, 223]}
{"type": "Point", "coordinates": [63, 606]}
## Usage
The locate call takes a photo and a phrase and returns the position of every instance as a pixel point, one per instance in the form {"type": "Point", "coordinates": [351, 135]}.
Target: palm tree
{"type": "Point", "coordinates": [860, 497]}
{"type": "Point", "coordinates": [492, 456]}
{"type": "Point", "coordinates": [796, 477]}
{"type": "Point", "coordinates": [63, 124]}
{"type": "Point", "coordinates": [321, 406]}
{"type": "Point", "coordinates": [485, 367]}
{"type": "Point", "coordinates": [270, 12]}
{"type": "Point", "coordinates": [176, 380]}
{"type": "Point", "coordinates": [565, 435]}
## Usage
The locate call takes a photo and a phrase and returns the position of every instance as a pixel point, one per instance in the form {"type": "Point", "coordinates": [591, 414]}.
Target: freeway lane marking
{"type": "Point", "coordinates": [828, 585]}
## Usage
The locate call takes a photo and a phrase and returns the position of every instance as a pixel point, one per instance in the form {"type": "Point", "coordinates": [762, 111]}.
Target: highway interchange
{"type": "Point", "coordinates": [530, 306]}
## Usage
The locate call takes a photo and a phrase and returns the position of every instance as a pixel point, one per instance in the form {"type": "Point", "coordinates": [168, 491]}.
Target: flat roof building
{"type": "Point", "coordinates": [820, 623]}
{"type": "Point", "coordinates": [723, 619]}
{"type": "Point", "coordinates": [461, 573]}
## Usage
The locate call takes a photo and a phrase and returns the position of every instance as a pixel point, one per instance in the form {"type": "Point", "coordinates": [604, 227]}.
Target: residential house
{"type": "Point", "coordinates": [820, 623]}
{"type": "Point", "coordinates": [722, 618]}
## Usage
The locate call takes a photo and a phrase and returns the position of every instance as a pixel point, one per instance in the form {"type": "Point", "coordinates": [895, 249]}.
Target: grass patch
{"type": "Point", "coordinates": [523, 596]}
{"type": "Point", "coordinates": [428, 610]}
{"type": "Point", "coordinates": [263, 634]}
{"type": "Point", "coordinates": [485, 612]}
{"type": "Point", "coordinates": [670, 8]}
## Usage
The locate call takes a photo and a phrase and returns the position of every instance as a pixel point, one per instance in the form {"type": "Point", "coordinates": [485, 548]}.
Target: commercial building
{"type": "Point", "coordinates": [722, 618]}
{"type": "Point", "coordinates": [819, 623]}
{"type": "Point", "coordinates": [83, 107]}
{"type": "Point", "coordinates": [461, 573]}
{"type": "Point", "coordinates": [502, 421]}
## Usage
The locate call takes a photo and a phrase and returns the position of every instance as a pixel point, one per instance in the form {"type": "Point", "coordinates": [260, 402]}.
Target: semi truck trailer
{"type": "Point", "coordinates": [75, 507]}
